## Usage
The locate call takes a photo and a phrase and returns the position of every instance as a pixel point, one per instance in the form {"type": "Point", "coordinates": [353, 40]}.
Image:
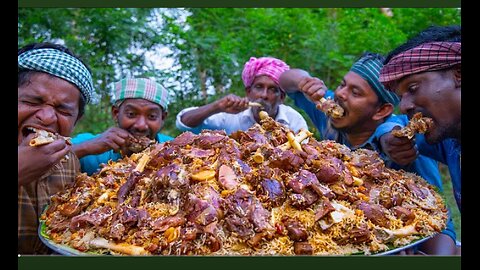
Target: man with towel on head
{"type": "Point", "coordinates": [426, 73]}
{"type": "Point", "coordinates": [368, 114]}
{"type": "Point", "coordinates": [53, 88]}
{"type": "Point", "coordinates": [232, 113]}
{"type": "Point", "coordinates": [139, 109]}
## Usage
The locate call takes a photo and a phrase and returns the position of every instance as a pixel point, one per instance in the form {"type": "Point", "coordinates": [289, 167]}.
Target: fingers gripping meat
{"type": "Point", "coordinates": [417, 124]}
{"type": "Point", "coordinates": [42, 137]}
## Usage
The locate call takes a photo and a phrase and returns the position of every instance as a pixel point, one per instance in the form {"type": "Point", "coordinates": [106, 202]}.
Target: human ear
{"type": "Point", "coordinates": [78, 118]}
{"type": "Point", "coordinates": [383, 111]}
{"type": "Point", "coordinates": [457, 73]}
{"type": "Point", "coordinates": [115, 113]}
{"type": "Point", "coordinates": [164, 115]}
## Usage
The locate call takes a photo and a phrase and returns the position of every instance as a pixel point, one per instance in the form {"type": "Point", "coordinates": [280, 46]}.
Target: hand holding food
{"type": "Point", "coordinates": [417, 124]}
{"type": "Point", "coordinates": [232, 104]}
{"type": "Point", "coordinates": [330, 107]}
{"type": "Point", "coordinates": [42, 137]}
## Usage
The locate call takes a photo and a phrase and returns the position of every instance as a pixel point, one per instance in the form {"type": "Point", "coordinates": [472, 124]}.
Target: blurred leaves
{"type": "Point", "coordinates": [209, 46]}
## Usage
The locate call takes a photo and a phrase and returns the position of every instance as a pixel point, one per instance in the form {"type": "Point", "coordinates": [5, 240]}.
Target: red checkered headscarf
{"type": "Point", "coordinates": [269, 66]}
{"type": "Point", "coordinates": [426, 57]}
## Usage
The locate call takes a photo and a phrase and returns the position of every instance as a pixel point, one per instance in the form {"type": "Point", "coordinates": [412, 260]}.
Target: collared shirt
{"type": "Point", "coordinates": [243, 120]}
{"type": "Point", "coordinates": [448, 152]}
{"type": "Point", "coordinates": [34, 196]}
{"type": "Point", "coordinates": [423, 166]}
{"type": "Point", "coordinates": [91, 163]}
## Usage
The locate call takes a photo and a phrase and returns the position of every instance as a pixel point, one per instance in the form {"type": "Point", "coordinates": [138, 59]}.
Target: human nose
{"type": "Point", "coordinates": [141, 124]}
{"type": "Point", "coordinates": [46, 115]}
{"type": "Point", "coordinates": [262, 93]}
{"type": "Point", "coordinates": [406, 105]}
{"type": "Point", "coordinates": [341, 93]}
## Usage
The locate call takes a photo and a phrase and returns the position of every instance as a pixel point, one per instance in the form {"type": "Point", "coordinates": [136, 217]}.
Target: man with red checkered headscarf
{"type": "Point", "coordinates": [367, 115]}
{"type": "Point", "coordinates": [232, 113]}
{"type": "Point", "coordinates": [139, 110]}
{"type": "Point", "coordinates": [426, 73]}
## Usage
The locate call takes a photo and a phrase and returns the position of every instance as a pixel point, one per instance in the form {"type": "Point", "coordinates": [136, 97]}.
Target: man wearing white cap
{"type": "Point", "coordinates": [139, 109]}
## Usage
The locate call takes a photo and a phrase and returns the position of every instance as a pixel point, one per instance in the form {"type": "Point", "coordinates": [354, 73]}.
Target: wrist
{"type": "Point", "coordinates": [81, 149]}
{"type": "Point", "coordinates": [215, 108]}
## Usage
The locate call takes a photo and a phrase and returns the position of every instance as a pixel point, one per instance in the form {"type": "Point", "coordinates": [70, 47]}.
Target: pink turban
{"type": "Point", "coordinates": [269, 66]}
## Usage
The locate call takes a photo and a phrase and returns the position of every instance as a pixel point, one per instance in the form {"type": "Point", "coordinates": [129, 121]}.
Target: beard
{"type": "Point", "coordinates": [441, 133]}
{"type": "Point", "coordinates": [267, 107]}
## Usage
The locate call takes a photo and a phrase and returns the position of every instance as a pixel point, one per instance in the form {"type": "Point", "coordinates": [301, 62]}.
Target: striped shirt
{"type": "Point", "coordinates": [32, 199]}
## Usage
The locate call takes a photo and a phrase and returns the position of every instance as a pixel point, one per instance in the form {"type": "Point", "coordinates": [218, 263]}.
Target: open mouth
{"type": "Point", "coordinates": [27, 131]}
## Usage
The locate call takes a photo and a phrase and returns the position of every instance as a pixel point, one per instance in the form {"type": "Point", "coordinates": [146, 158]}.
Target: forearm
{"type": "Point", "coordinates": [441, 244]}
{"type": "Point", "coordinates": [91, 147]}
{"type": "Point", "coordinates": [196, 117]}
{"type": "Point", "coordinates": [80, 150]}
{"type": "Point", "coordinates": [290, 79]}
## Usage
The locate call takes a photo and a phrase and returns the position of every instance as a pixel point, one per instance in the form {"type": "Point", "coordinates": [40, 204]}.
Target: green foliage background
{"type": "Point", "coordinates": [209, 46]}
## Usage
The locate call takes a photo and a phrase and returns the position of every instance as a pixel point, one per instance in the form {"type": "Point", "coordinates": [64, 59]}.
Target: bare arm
{"type": "Point", "coordinates": [299, 80]}
{"type": "Point", "coordinates": [228, 104]}
{"type": "Point", "coordinates": [113, 138]}
{"type": "Point", "coordinates": [441, 244]}
{"type": "Point", "coordinates": [290, 79]}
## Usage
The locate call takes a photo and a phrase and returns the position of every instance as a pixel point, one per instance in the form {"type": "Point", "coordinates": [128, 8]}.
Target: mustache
{"type": "Point", "coordinates": [137, 133]}
{"type": "Point", "coordinates": [265, 106]}
{"type": "Point", "coordinates": [410, 114]}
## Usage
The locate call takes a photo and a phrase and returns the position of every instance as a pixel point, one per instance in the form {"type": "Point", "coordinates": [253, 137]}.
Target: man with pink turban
{"type": "Point", "coordinates": [232, 113]}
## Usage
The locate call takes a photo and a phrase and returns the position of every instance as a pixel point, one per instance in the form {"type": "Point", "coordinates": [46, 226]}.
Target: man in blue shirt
{"type": "Point", "coordinates": [139, 109]}
{"type": "Point", "coordinates": [426, 73]}
{"type": "Point", "coordinates": [368, 114]}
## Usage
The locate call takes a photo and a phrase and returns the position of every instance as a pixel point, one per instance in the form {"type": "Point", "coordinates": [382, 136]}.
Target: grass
{"type": "Point", "coordinates": [450, 200]}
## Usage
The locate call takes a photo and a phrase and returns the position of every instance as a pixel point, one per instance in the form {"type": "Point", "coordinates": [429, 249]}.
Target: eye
{"type": "Point", "coordinates": [153, 116]}
{"type": "Point", "coordinates": [356, 92]}
{"type": "Point", "coordinates": [273, 90]}
{"type": "Point", "coordinates": [412, 88]}
{"type": "Point", "coordinates": [257, 87]}
{"type": "Point", "coordinates": [65, 112]}
{"type": "Point", "coordinates": [130, 114]}
{"type": "Point", "coordinates": [341, 85]}
{"type": "Point", "coordinates": [30, 102]}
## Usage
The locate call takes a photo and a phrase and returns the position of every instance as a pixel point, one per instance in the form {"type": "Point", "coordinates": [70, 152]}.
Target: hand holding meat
{"type": "Point", "coordinates": [401, 150]}
{"type": "Point", "coordinates": [315, 89]}
{"type": "Point", "coordinates": [231, 104]}
{"type": "Point", "coordinates": [42, 137]}
{"type": "Point", "coordinates": [113, 138]}
{"type": "Point", "coordinates": [33, 162]}
{"type": "Point", "coordinates": [137, 144]}
{"type": "Point", "coordinates": [417, 124]}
